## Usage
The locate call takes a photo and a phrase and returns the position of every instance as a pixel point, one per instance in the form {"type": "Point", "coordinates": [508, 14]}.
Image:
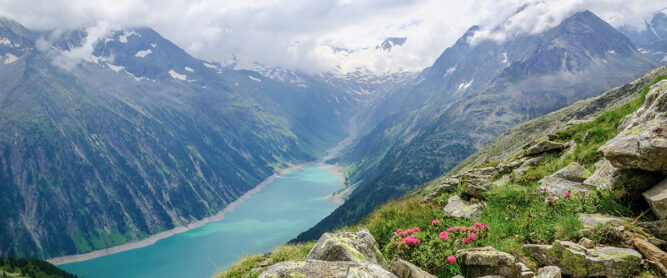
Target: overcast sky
{"type": "Point", "coordinates": [299, 33]}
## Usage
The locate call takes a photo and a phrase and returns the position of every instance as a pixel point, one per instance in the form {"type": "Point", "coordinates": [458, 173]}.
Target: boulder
{"type": "Point", "coordinates": [549, 272]}
{"type": "Point", "coordinates": [325, 269]}
{"type": "Point", "coordinates": [656, 197]}
{"type": "Point", "coordinates": [604, 176]}
{"type": "Point", "coordinates": [458, 208]}
{"type": "Point", "coordinates": [544, 146]}
{"type": "Point", "coordinates": [518, 173]}
{"type": "Point", "coordinates": [578, 261]}
{"type": "Point", "coordinates": [477, 185]}
{"type": "Point", "coordinates": [486, 171]}
{"type": "Point", "coordinates": [559, 187]}
{"type": "Point", "coordinates": [488, 261]}
{"type": "Point", "coordinates": [447, 185]}
{"type": "Point", "coordinates": [596, 219]}
{"type": "Point", "coordinates": [405, 269]}
{"type": "Point", "coordinates": [573, 172]}
{"type": "Point", "coordinates": [642, 139]}
{"type": "Point", "coordinates": [356, 247]}
{"type": "Point", "coordinates": [656, 228]}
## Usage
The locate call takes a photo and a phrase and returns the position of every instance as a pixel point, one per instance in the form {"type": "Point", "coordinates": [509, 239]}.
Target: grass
{"type": "Point", "coordinates": [284, 253]}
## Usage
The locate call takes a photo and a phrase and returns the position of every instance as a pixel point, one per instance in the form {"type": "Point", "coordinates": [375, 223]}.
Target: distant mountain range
{"type": "Point", "coordinates": [473, 93]}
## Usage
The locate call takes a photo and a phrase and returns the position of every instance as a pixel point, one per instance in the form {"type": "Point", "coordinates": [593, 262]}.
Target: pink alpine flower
{"type": "Point", "coordinates": [472, 236]}
{"type": "Point", "coordinates": [568, 194]}
{"type": "Point", "coordinates": [451, 259]}
{"type": "Point", "coordinates": [451, 229]}
{"type": "Point", "coordinates": [444, 235]}
{"type": "Point", "coordinates": [411, 240]}
{"type": "Point", "coordinates": [472, 229]}
{"type": "Point", "coordinates": [472, 200]}
{"type": "Point", "coordinates": [550, 198]}
{"type": "Point", "coordinates": [435, 222]}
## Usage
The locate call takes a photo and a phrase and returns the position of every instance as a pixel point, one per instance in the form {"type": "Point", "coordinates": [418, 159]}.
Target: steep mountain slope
{"type": "Point", "coordinates": [137, 138]}
{"type": "Point", "coordinates": [474, 93]}
{"type": "Point", "coordinates": [652, 40]}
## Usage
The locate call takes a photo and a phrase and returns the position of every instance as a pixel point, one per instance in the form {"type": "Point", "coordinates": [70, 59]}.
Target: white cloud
{"type": "Point", "coordinates": [294, 33]}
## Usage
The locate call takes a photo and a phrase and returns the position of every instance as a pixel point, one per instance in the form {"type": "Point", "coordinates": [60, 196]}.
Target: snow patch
{"type": "Point", "coordinates": [153, 45]}
{"type": "Point", "coordinates": [115, 68]}
{"type": "Point", "coordinates": [189, 69]}
{"type": "Point", "coordinates": [10, 58]}
{"type": "Point", "coordinates": [664, 59]}
{"type": "Point", "coordinates": [612, 51]}
{"type": "Point", "coordinates": [450, 70]}
{"type": "Point", "coordinates": [254, 78]}
{"type": "Point", "coordinates": [210, 66]}
{"type": "Point", "coordinates": [466, 85]}
{"type": "Point", "coordinates": [5, 41]}
{"type": "Point", "coordinates": [123, 38]}
{"type": "Point", "coordinates": [176, 75]}
{"type": "Point", "coordinates": [143, 53]}
{"type": "Point", "coordinates": [505, 60]}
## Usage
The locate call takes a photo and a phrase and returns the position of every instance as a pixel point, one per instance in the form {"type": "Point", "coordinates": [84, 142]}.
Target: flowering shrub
{"type": "Point", "coordinates": [434, 248]}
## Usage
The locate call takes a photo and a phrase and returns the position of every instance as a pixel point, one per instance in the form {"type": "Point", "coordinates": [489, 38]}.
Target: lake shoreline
{"type": "Point", "coordinates": [336, 170]}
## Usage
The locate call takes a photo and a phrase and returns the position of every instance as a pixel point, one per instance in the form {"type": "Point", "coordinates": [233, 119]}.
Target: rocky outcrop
{"type": "Point", "coordinates": [573, 172]}
{"type": "Point", "coordinates": [488, 261]}
{"type": "Point", "coordinates": [337, 255]}
{"type": "Point", "coordinates": [477, 185]}
{"type": "Point", "coordinates": [325, 269]}
{"type": "Point", "coordinates": [356, 247]}
{"type": "Point", "coordinates": [544, 146]}
{"type": "Point", "coordinates": [642, 139]}
{"type": "Point", "coordinates": [596, 219]}
{"type": "Point", "coordinates": [651, 251]}
{"type": "Point", "coordinates": [604, 176]}
{"type": "Point", "coordinates": [656, 228]}
{"type": "Point", "coordinates": [570, 178]}
{"type": "Point", "coordinates": [578, 261]}
{"type": "Point", "coordinates": [657, 199]}
{"type": "Point", "coordinates": [445, 186]}
{"type": "Point", "coordinates": [456, 207]}
{"type": "Point", "coordinates": [549, 272]}
{"type": "Point", "coordinates": [405, 269]}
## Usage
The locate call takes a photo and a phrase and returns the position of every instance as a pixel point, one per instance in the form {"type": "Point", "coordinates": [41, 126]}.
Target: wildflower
{"type": "Point", "coordinates": [435, 222]}
{"type": "Point", "coordinates": [568, 194]}
{"type": "Point", "coordinates": [550, 198]}
{"type": "Point", "coordinates": [466, 241]}
{"type": "Point", "coordinates": [411, 240]}
{"type": "Point", "coordinates": [472, 236]}
{"type": "Point", "coordinates": [472, 229]}
{"type": "Point", "coordinates": [451, 229]}
{"type": "Point", "coordinates": [463, 228]}
{"type": "Point", "coordinates": [444, 235]}
{"type": "Point", "coordinates": [545, 190]}
{"type": "Point", "coordinates": [472, 200]}
{"type": "Point", "coordinates": [451, 259]}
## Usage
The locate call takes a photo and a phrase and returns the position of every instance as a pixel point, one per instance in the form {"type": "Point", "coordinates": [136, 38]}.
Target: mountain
{"type": "Point", "coordinates": [388, 43]}
{"type": "Point", "coordinates": [652, 40]}
{"type": "Point", "coordinates": [137, 137]}
{"type": "Point", "coordinates": [474, 92]}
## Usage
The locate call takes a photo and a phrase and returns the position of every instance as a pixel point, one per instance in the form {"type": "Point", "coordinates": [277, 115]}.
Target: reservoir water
{"type": "Point", "coordinates": [289, 205]}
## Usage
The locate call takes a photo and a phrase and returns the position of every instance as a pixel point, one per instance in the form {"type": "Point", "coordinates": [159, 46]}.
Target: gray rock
{"type": "Point", "coordinates": [596, 219]}
{"type": "Point", "coordinates": [559, 187]}
{"type": "Point", "coordinates": [578, 261]}
{"type": "Point", "coordinates": [477, 185]}
{"type": "Point", "coordinates": [549, 272]}
{"type": "Point", "coordinates": [458, 208]}
{"type": "Point", "coordinates": [486, 171]}
{"type": "Point", "coordinates": [405, 269]}
{"type": "Point", "coordinates": [604, 176]}
{"type": "Point", "coordinates": [544, 146]}
{"type": "Point", "coordinates": [518, 173]}
{"type": "Point", "coordinates": [525, 271]}
{"type": "Point", "coordinates": [642, 139]}
{"type": "Point", "coordinates": [585, 242]}
{"type": "Point", "coordinates": [658, 242]}
{"type": "Point", "coordinates": [447, 185]}
{"type": "Point", "coordinates": [325, 269]}
{"type": "Point", "coordinates": [656, 197]}
{"type": "Point", "coordinates": [656, 228]}
{"type": "Point", "coordinates": [488, 261]}
{"type": "Point", "coordinates": [573, 172]}
{"type": "Point", "coordinates": [357, 247]}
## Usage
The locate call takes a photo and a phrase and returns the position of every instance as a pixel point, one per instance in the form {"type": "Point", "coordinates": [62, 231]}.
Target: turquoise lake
{"type": "Point", "coordinates": [289, 205]}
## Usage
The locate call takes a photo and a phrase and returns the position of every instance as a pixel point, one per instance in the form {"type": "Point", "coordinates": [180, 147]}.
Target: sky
{"type": "Point", "coordinates": [302, 34]}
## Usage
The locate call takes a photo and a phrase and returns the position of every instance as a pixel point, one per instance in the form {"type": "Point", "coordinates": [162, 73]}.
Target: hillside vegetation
{"type": "Point", "coordinates": [517, 208]}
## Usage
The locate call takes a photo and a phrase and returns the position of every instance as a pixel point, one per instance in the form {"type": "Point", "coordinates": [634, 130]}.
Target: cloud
{"type": "Point", "coordinates": [300, 33]}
